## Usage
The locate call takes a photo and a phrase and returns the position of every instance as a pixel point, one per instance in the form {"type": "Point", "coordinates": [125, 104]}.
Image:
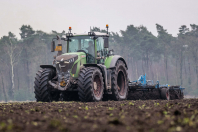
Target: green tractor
{"type": "Point", "coordinates": [88, 71]}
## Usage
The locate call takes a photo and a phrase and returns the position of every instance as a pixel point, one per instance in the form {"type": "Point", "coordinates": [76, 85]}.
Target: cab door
{"type": "Point", "coordinates": [101, 51]}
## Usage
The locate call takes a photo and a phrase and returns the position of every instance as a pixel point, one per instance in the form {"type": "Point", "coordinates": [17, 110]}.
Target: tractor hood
{"type": "Point", "coordinates": [65, 62]}
{"type": "Point", "coordinates": [66, 57]}
{"type": "Point", "coordinates": [69, 56]}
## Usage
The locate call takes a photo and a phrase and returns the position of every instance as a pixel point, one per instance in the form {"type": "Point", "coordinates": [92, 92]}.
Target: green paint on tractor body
{"type": "Point", "coordinates": [108, 61]}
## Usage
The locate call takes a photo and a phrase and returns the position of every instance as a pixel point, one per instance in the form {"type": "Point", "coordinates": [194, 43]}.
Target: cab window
{"type": "Point", "coordinates": [85, 43]}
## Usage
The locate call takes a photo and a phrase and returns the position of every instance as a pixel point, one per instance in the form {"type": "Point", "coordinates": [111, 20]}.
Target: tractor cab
{"type": "Point", "coordinates": [93, 44]}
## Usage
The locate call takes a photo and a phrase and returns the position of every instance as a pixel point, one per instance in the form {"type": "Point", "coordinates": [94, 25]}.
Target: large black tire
{"type": "Point", "coordinates": [181, 94]}
{"type": "Point", "coordinates": [119, 82]}
{"type": "Point", "coordinates": [42, 88]}
{"type": "Point", "coordinates": [176, 94]}
{"type": "Point", "coordinates": [69, 96]}
{"type": "Point", "coordinates": [90, 85]}
{"type": "Point", "coordinates": [165, 94]}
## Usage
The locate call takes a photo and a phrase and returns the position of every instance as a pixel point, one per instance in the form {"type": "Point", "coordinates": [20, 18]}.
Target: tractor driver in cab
{"type": "Point", "coordinates": [91, 48]}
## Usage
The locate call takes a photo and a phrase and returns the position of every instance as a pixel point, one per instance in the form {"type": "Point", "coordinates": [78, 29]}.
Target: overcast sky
{"type": "Point", "coordinates": [58, 15]}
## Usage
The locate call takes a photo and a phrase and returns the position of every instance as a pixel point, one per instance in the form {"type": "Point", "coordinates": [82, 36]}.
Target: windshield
{"type": "Point", "coordinates": [85, 43]}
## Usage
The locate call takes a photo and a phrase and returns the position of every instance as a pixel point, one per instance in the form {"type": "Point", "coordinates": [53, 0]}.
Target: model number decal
{"type": "Point", "coordinates": [83, 56]}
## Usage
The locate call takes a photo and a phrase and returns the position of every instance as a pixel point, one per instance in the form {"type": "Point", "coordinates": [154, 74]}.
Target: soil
{"type": "Point", "coordinates": [107, 116]}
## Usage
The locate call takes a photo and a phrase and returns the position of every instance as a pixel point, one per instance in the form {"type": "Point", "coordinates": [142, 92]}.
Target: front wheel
{"type": "Point", "coordinates": [42, 88]}
{"type": "Point", "coordinates": [90, 85]}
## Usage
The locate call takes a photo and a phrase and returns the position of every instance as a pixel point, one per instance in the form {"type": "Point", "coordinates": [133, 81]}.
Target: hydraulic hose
{"type": "Point", "coordinates": [57, 86]}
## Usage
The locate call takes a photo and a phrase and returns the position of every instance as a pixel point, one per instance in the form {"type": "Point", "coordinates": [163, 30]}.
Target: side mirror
{"type": "Point", "coordinates": [106, 43]}
{"type": "Point", "coordinates": [52, 46]}
{"type": "Point", "coordinates": [111, 52]}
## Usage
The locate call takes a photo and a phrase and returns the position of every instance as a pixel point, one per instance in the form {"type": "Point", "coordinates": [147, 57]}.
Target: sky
{"type": "Point", "coordinates": [59, 15]}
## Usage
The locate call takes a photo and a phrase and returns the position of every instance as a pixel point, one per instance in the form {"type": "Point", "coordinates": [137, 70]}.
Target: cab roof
{"type": "Point", "coordinates": [96, 34]}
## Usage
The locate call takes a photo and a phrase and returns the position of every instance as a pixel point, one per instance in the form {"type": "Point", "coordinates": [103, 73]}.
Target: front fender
{"type": "Point", "coordinates": [48, 66]}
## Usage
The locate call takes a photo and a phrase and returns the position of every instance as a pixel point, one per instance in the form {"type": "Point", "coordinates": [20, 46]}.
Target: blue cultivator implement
{"type": "Point", "coordinates": [146, 89]}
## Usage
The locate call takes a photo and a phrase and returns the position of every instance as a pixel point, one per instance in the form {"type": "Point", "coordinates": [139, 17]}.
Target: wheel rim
{"type": "Point", "coordinates": [121, 83]}
{"type": "Point", "coordinates": [97, 86]}
{"type": "Point", "coordinates": [167, 95]}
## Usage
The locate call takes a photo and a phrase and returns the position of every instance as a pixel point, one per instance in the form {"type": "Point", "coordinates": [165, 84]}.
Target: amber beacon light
{"type": "Point", "coordinates": [107, 26]}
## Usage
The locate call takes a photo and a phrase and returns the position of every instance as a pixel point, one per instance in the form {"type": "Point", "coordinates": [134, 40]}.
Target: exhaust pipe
{"type": "Point", "coordinates": [57, 86]}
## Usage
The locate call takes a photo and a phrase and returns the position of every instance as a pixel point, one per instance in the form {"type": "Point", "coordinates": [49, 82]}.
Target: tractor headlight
{"type": "Point", "coordinates": [69, 34]}
{"type": "Point", "coordinates": [66, 62]}
{"type": "Point", "coordinates": [69, 61]}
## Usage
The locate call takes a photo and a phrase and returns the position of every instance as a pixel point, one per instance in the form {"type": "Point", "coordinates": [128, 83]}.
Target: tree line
{"type": "Point", "coordinates": [171, 60]}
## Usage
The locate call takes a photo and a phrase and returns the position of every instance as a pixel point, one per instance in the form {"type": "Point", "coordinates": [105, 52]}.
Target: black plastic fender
{"type": "Point", "coordinates": [115, 59]}
{"type": "Point", "coordinates": [48, 66]}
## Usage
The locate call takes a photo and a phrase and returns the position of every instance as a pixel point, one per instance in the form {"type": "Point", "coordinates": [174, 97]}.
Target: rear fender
{"type": "Point", "coordinates": [115, 59]}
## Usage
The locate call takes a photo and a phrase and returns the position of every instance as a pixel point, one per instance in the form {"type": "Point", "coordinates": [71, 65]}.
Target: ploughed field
{"type": "Point", "coordinates": [113, 116]}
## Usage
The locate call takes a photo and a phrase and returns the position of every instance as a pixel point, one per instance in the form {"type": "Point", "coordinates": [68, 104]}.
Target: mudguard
{"type": "Point", "coordinates": [115, 59]}
{"type": "Point", "coordinates": [48, 66]}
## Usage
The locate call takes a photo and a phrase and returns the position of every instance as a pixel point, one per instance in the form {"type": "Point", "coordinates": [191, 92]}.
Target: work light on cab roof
{"type": "Point", "coordinates": [69, 34]}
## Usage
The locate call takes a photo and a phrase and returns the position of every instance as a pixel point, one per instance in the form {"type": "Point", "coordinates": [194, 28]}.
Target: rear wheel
{"type": "Point", "coordinates": [90, 85]}
{"type": "Point", "coordinates": [165, 94]}
{"type": "Point", "coordinates": [119, 82]}
{"type": "Point", "coordinates": [42, 88]}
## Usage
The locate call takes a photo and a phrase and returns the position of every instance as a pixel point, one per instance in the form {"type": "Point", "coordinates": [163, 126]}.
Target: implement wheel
{"type": "Point", "coordinates": [181, 94]}
{"type": "Point", "coordinates": [42, 88]}
{"type": "Point", "coordinates": [119, 82]}
{"type": "Point", "coordinates": [165, 94]}
{"type": "Point", "coordinates": [90, 85]}
{"type": "Point", "coordinates": [176, 94]}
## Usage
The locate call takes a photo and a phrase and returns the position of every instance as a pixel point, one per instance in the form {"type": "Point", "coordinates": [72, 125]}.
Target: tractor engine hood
{"type": "Point", "coordinates": [66, 57]}
{"type": "Point", "coordinates": [65, 62]}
